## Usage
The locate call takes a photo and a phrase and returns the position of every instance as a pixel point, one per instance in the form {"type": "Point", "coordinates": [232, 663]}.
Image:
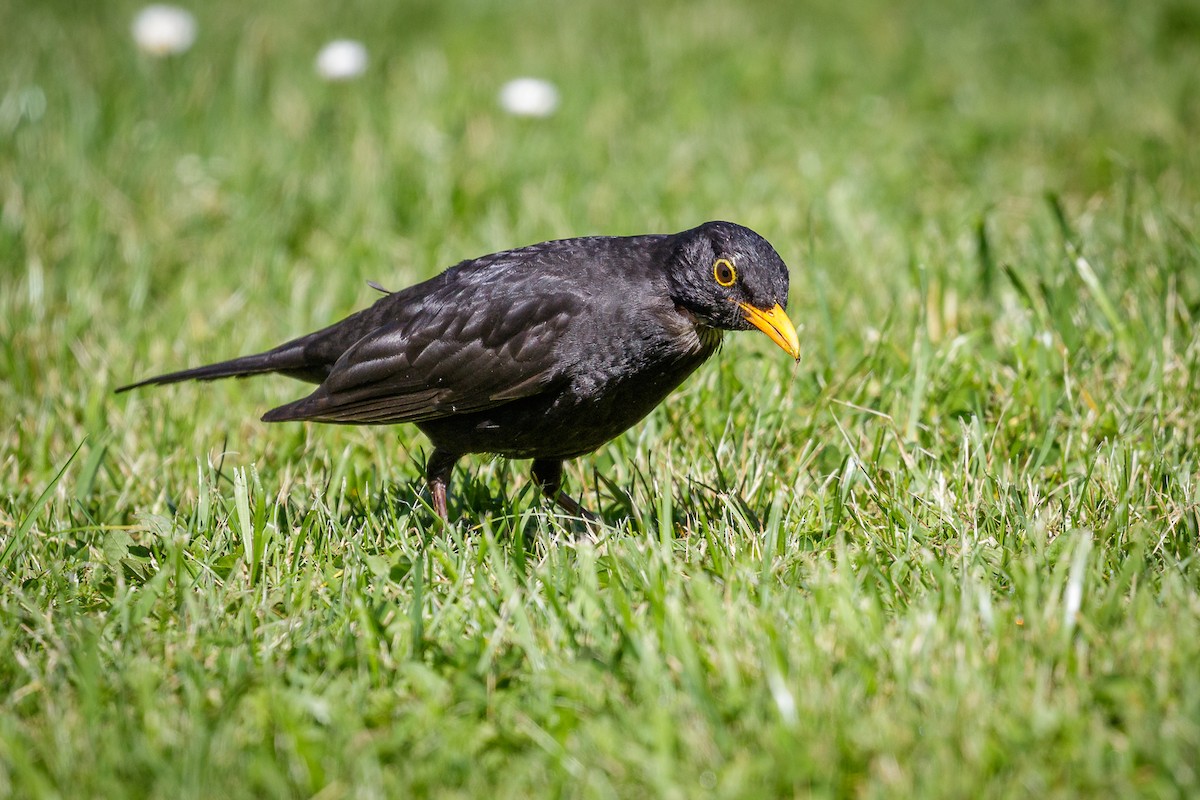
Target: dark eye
{"type": "Point", "coordinates": [723, 272]}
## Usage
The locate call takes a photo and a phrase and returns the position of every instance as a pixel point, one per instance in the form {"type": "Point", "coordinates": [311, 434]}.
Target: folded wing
{"type": "Point", "coordinates": [467, 350]}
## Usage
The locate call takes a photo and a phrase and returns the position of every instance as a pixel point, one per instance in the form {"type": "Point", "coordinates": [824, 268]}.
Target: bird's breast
{"type": "Point", "coordinates": [609, 379]}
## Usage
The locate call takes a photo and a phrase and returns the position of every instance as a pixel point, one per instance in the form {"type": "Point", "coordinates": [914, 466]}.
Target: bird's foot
{"type": "Point", "coordinates": [572, 507]}
{"type": "Point", "coordinates": [437, 473]}
{"type": "Point", "coordinates": [548, 475]}
{"type": "Point", "coordinates": [437, 494]}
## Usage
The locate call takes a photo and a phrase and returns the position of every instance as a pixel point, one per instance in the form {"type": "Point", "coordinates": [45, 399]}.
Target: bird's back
{"type": "Point", "coordinates": [574, 312]}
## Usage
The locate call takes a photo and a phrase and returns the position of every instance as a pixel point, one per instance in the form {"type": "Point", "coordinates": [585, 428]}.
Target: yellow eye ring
{"type": "Point", "coordinates": [723, 272]}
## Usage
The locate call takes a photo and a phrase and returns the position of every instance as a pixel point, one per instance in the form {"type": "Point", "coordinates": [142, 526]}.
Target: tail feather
{"type": "Point", "coordinates": [308, 358]}
{"type": "Point", "coordinates": [288, 362]}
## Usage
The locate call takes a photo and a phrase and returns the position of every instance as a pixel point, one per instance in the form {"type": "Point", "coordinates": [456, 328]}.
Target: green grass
{"type": "Point", "coordinates": [952, 553]}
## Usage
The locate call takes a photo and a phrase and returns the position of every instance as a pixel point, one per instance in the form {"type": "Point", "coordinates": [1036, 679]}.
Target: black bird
{"type": "Point", "coordinates": [543, 352]}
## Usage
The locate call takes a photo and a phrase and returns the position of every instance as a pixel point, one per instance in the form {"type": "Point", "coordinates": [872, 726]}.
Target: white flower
{"type": "Point", "coordinates": [341, 60]}
{"type": "Point", "coordinates": [529, 97]}
{"type": "Point", "coordinates": [164, 30]}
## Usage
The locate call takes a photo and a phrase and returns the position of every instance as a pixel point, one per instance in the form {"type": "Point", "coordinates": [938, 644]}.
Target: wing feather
{"type": "Point", "coordinates": [474, 348]}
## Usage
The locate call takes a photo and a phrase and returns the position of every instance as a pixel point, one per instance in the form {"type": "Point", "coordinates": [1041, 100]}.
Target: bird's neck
{"type": "Point", "coordinates": [707, 338]}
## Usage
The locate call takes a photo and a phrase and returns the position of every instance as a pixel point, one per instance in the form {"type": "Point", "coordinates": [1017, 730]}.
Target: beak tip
{"type": "Point", "coordinates": [775, 324]}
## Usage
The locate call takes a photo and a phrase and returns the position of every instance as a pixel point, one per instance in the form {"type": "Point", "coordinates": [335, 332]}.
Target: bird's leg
{"type": "Point", "coordinates": [437, 474]}
{"type": "Point", "coordinates": [548, 474]}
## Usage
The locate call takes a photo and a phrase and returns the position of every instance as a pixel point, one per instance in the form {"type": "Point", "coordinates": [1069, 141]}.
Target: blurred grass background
{"type": "Point", "coordinates": [952, 553]}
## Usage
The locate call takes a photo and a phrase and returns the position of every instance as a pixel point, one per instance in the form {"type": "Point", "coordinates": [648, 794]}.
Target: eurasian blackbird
{"type": "Point", "coordinates": [543, 352]}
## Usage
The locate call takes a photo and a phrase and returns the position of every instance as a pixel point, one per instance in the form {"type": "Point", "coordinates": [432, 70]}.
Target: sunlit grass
{"type": "Point", "coordinates": [950, 553]}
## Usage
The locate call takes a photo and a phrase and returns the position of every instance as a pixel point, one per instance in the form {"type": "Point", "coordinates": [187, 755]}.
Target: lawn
{"type": "Point", "coordinates": [952, 552]}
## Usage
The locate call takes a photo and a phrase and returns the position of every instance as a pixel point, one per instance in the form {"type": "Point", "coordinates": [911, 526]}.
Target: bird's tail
{"type": "Point", "coordinates": [287, 361]}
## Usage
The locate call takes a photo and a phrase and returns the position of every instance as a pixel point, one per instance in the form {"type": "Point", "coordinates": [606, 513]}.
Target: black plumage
{"type": "Point", "coordinates": [543, 352]}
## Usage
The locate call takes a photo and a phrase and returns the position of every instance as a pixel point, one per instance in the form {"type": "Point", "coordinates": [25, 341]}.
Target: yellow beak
{"type": "Point", "coordinates": [774, 323]}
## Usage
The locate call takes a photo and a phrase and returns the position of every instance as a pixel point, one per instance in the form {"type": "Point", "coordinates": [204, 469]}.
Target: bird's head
{"type": "Point", "coordinates": [731, 278]}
